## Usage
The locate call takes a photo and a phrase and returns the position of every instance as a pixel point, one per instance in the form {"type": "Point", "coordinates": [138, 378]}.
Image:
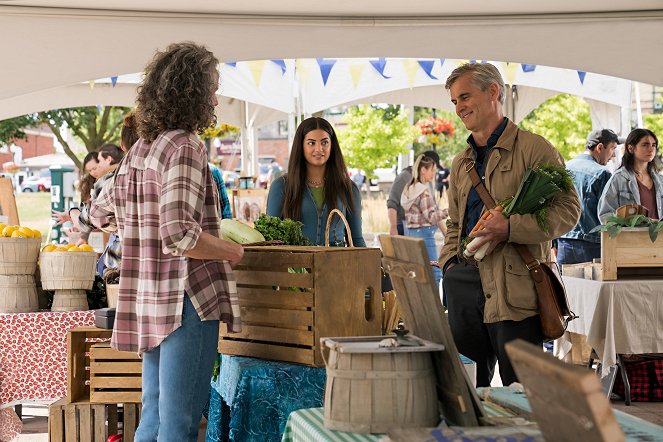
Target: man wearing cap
{"type": "Point", "coordinates": [394, 208]}
{"type": "Point", "coordinates": [590, 175]}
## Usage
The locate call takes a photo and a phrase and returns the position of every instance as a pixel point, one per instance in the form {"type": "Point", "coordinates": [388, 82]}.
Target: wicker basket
{"type": "Point", "coordinates": [67, 270]}
{"type": "Point", "coordinates": [112, 293]}
{"type": "Point", "coordinates": [18, 294]}
{"type": "Point", "coordinates": [18, 256]}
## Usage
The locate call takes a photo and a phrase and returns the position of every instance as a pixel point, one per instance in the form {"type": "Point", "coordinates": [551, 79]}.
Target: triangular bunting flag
{"type": "Point", "coordinates": [581, 75]}
{"type": "Point", "coordinates": [510, 72]}
{"type": "Point", "coordinates": [256, 67]}
{"type": "Point", "coordinates": [411, 67]}
{"type": "Point", "coordinates": [442, 60]}
{"type": "Point", "coordinates": [528, 67]}
{"type": "Point", "coordinates": [379, 66]}
{"type": "Point", "coordinates": [356, 71]}
{"type": "Point", "coordinates": [302, 71]}
{"type": "Point", "coordinates": [98, 107]}
{"type": "Point", "coordinates": [114, 80]}
{"type": "Point", "coordinates": [326, 65]}
{"type": "Point", "coordinates": [232, 64]}
{"type": "Point", "coordinates": [91, 83]}
{"type": "Point", "coordinates": [427, 66]}
{"type": "Point", "coordinates": [281, 64]}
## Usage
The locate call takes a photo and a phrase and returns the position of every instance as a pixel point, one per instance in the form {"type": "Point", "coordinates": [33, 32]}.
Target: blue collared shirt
{"type": "Point", "coordinates": [474, 203]}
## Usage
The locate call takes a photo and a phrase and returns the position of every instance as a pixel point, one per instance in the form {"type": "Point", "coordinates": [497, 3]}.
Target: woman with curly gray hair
{"type": "Point", "coordinates": [176, 282]}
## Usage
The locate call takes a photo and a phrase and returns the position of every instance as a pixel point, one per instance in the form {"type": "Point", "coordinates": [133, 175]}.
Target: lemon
{"type": "Point", "coordinates": [70, 246]}
{"type": "Point", "coordinates": [2, 226]}
{"type": "Point", "coordinates": [7, 231]}
{"type": "Point", "coordinates": [86, 248]}
{"type": "Point", "coordinates": [74, 249]}
{"type": "Point", "coordinates": [60, 249]}
{"type": "Point", "coordinates": [49, 248]}
{"type": "Point", "coordinates": [17, 234]}
{"type": "Point", "coordinates": [36, 233]}
{"type": "Point", "coordinates": [26, 232]}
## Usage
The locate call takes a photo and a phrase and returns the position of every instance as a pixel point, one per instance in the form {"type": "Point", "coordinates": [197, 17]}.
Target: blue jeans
{"type": "Point", "coordinates": [574, 251]}
{"type": "Point", "coordinates": [176, 380]}
{"type": "Point", "coordinates": [428, 235]}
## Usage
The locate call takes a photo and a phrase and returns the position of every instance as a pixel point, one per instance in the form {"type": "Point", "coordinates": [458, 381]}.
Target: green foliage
{"type": "Point", "coordinates": [654, 122]}
{"type": "Point", "coordinates": [375, 137]}
{"type": "Point", "coordinates": [452, 145]}
{"type": "Point", "coordinates": [286, 230]}
{"type": "Point", "coordinates": [563, 120]}
{"type": "Point", "coordinates": [92, 126]}
{"type": "Point", "coordinates": [614, 224]}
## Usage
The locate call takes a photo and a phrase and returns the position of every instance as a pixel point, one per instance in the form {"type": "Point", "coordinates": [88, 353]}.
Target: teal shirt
{"type": "Point", "coordinates": [315, 218]}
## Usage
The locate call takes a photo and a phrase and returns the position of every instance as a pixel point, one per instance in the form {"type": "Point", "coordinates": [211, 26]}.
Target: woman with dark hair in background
{"type": "Point", "coordinates": [176, 282]}
{"type": "Point", "coordinates": [638, 180]}
{"type": "Point", "coordinates": [88, 176]}
{"type": "Point", "coordinates": [316, 183]}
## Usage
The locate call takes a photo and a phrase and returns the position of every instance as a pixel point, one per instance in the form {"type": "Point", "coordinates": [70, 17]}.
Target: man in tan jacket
{"type": "Point", "coordinates": [495, 301]}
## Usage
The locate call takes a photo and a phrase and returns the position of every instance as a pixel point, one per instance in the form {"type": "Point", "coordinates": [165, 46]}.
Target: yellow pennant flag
{"type": "Point", "coordinates": [411, 67]}
{"type": "Point", "coordinates": [356, 71]}
{"type": "Point", "coordinates": [256, 67]}
{"type": "Point", "coordinates": [91, 82]}
{"type": "Point", "coordinates": [302, 71]}
{"type": "Point", "coordinates": [510, 70]}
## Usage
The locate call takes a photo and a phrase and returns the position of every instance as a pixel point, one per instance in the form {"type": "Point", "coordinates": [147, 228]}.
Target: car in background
{"type": "Point", "coordinates": [36, 184]}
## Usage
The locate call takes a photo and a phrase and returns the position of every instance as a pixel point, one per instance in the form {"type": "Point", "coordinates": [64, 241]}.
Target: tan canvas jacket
{"type": "Point", "coordinates": [507, 285]}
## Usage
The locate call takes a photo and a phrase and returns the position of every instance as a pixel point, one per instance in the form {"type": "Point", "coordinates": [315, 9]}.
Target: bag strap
{"type": "Point", "coordinates": [347, 227]}
{"type": "Point", "coordinates": [531, 263]}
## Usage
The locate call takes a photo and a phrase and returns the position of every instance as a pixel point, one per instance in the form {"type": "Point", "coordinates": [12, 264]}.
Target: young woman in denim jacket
{"type": "Point", "coordinates": [638, 180]}
{"type": "Point", "coordinates": [317, 182]}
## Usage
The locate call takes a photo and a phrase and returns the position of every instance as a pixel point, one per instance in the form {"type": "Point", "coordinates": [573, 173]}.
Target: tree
{"type": "Point", "coordinates": [452, 144]}
{"type": "Point", "coordinates": [563, 120]}
{"type": "Point", "coordinates": [374, 137]}
{"type": "Point", "coordinates": [93, 126]}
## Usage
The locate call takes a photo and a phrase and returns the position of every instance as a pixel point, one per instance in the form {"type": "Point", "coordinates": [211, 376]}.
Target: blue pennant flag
{"type": "Point", "coordinates": [281, 64]}
{"type": "Point", "coordinates": [528, 67]}
{"type": "Point", "coordinates": [581, 75]}
{"type": "Point", "coordinates": [326, 66]}
{"type": "Point", "coordinates": [232, 64]}
{"type": "Point", "coordinates": [98, 107]}
{"type": "Point", "coordinates": [114, 80]}
{"type": "Point", "coordinates": [442, 60]}
{"type": "Point", "coordinates": [427, 66]}
{"type": "Point", "coordinates": [379, 66]}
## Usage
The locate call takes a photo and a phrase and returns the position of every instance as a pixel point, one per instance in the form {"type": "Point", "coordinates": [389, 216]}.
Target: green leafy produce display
{"type": "Point", "coordinates": [614, 224]}
{"type": "Point", "coordinates": [286, 230]}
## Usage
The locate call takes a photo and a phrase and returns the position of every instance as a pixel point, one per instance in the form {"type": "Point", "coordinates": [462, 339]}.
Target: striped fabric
{"type": "Point", "coordinates": [307, 426]}
{"type": "Point", "coordinates": [160, 200]}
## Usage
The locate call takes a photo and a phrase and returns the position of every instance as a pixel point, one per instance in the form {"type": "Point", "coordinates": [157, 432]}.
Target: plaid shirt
{"type": "Point", "coordinates": [160, 200]}
{"type": "Point", "coordinates": [424, 211]}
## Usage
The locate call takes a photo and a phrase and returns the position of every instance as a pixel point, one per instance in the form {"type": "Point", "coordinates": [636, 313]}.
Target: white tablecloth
{"type": "Point", "coordinates": [618, 317]}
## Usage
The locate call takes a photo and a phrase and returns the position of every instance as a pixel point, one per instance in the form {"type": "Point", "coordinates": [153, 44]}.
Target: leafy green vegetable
{"type": "Point", "coordinates": [614, 224]}
{"type": "Point", "coordinates": [286, 230]}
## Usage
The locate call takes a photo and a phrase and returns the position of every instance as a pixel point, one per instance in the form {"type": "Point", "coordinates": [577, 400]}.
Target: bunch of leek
{"type": "Point", "coordinates": [537, 190]}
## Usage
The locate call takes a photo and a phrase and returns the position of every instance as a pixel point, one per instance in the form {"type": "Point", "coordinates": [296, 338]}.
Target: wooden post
{"type": "Point", "coordinates": [8, 201]}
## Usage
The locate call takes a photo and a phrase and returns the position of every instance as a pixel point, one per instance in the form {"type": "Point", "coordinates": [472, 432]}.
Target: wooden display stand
{"type": "Point", "coordinates": [248, 204]}
{"type": "Point", "coordinates": [115, 376]}
{"type": "Point", "coordinates": [85, 422]}
{"type": "Point", "coordinates": [631, 250]}
{"type": "Point", "coordinates": [284, 314]}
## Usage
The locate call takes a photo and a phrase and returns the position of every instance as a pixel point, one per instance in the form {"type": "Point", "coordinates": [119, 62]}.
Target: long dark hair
{"type": "Point", "coordinates": [176, 91]}
{"type": "Point", "coordinates": [337, 181]}
{"type": "Point", "coordinates": [632, 140]}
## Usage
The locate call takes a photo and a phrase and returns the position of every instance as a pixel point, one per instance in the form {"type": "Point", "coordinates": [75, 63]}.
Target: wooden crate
{"type": "Point", "coordinates": [79, 342]}
{"type": "Point", "coordinates": [284, 314]}
{"type": "Point", "coordinates": [115, 376]}
{"type": "Point", "coordinates": [86, 422]}
{"type": "Point", "coordinates": [631, 252]}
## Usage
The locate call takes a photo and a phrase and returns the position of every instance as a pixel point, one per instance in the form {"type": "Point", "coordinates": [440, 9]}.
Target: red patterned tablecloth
{"type": "Point", "coordinates": [33, 358]}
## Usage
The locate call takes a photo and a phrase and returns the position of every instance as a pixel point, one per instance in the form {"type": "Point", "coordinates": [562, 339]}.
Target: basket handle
{"type": "Point", "coordinates": [347, 227]}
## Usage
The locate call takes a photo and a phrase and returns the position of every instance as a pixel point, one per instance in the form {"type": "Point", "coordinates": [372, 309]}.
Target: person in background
{"type": "Point", "coordinates": [422, 216]}
{"type": "Point", "coordinates": [109, 156]}
{"type": "Point", "coordinates": [176, 280]}
{"type": "Point", "coordinates": [225, 209]}
{"type": "Point", "coordinates": [638, 180]}
{"type": "Point", "coordinates": [317, 182]}
{"type": "Point", "coordinates": [89, 175]}
{"type": "Point", "coordinates": [590, 175]}
{"type": "Point", "coordinates": [442, 179]}
{"type": "Point", "coordinates": [394, 209]}
{"type": "Point", "coordinates": [494, 301]}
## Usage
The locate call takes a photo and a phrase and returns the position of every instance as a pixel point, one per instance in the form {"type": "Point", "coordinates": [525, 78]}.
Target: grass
{"type": "Point", "coordinates": [34, 210]}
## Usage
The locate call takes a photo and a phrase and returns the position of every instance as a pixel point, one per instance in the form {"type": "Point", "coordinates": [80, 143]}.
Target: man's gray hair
{"type": "Point", "coordinates": [483, 75]}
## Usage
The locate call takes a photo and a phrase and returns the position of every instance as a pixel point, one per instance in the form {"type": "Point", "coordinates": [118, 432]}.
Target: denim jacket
{"type": "Point", "coordinates": [589, 179]}
{"type": "Point", "coordinates": [315, 218]}
{"type": "Point", "coordinates": [623, 189]}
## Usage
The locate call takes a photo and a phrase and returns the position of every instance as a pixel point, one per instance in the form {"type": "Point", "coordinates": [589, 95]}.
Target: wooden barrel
{"type": "Point", "coordinates": [67, 270]}
{"type": "Point", "coordinates": [112, 292]}
{"type": "Point", "coordinates": [373, 392]}
{"type": "Point", "coordinates": [18, 294]}
{"type": "Point", "coordinates": [18, 256]}
{"type": "Point", "coordinates": [69, 301]}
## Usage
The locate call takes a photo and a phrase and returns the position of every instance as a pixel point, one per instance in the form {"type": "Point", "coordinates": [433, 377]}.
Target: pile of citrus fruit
{"type": "Point", "coordinates": [18, 232]}
{"type": "Point", "coordinates": [67, 248]}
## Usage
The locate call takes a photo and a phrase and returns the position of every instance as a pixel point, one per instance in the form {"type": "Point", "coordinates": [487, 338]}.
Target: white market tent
{"type": "Point", "coordinates": [55, 44]}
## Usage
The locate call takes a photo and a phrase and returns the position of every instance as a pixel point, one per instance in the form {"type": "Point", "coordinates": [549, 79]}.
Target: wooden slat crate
{"type": "Point", "coordinates": [631, 251]}
{"type": "Point", "coordinates": [86, 422]}
{"type": "Point", "coordinates": [115, 376]}
{"type": "Point", "coordinates": [284, 314]}
{"type": "Point", "coordinates": [79, 341]}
